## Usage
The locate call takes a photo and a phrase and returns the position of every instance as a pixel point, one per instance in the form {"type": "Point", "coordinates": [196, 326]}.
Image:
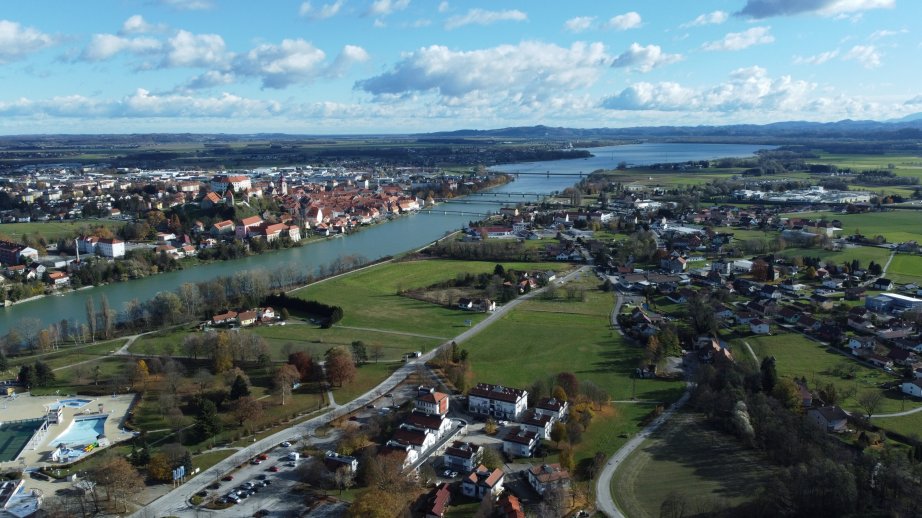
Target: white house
{"type": "Point", "coordinates": [540, 424]}
{"type": "Point", "coordinates": [110, 247]}
{"type": "Point", "coordinates": [497, 401]}
{"type": "Point", "coordinates": [759, 327]}
{"type": "Point", "coordinates": [859, 343]}
{"type": "Point", "coordinates": [545, 476]}
{"type": "Point", "coordinates": [430, 401]}
{"type": "Point", "coordinates": [463, 456]}
{"type": "Point", "coordinates": [829, 418]}
{"type": "Point", "coordinates": [552, 407]}
{"type": "Point", "coordinates": [435, 424]}
{"type": "Point", "coordinates": [416, 439]}
{"type": "Point", "coordinates": [913, 388]}
{"type": "Point", "coordinates": [519, 442]}
{"type": "Point", "coordinates": [482, 482]}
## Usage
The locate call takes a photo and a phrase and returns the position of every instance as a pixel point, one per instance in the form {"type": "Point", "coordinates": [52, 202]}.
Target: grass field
{"type": "Point", "coordinates": [796, 356]}
{"type": "Point", "coordinates": [366, 377]}
{"type": "Point", "coordinates": [686, 457]}
{"type": "Point", "coordinates": [369, 298]}
{"type": "Point", "coordinates": [905, 268]}
{"type": "Point", "coordinates": [541, 338]}
{"type": "Point", "coordinates": [54, 230]}
{"type": "Point", "coordinates": [896, 225]}
{"type": "Point", "coordinates": [864, 254]}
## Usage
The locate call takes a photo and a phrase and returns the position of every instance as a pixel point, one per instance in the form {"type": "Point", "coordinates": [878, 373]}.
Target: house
{"type": "Point", "coordinates": [463, 456]}
{"type": "Point", "coordinates": [435, 424]}
{"type": "Point", "coordinates": [465, 304]}
{"type": "Point", "coordinates": [892, 302]}
{"type": "Point", "coordinates": [552, 407]}
{"type": "Point", "coordinates": [537, 423]}
{"type": "Point", "coordinates": [883, 284]}
{"type": "Point", "coordinates": [497, 401]}
{"type": "Point", "coordinates": [247, 318]}
{"type": "Point", "coordinates": [509, 507]}
{"type": "Point", "coordinates": [335, 461]}
{"type": "Point", "coordinates": [520, 443]}
{"type": "Point", "coordinates": [879, 361]}
{"type": "Point", "coordinates": [759, 327]}
{"type": "Point", "coordinates": [58, 279]}
{"type": "Point", "coordinates": [860, 343]}
{"type": "Point", "coordinates": [14, 253]}
{"type": "Point", "coordinates": [912, 388]}
{"type": "Point", "coordinates": [210, 200]}
{"type": "Point", "coordinates": [545, 476]}
{"type": "Point", "coordinates": [110, 247]}
{"type": "Point", "coordinates": [416, 439]}
{"type": "Point", "coordinates": [484, 305]}
{"type": "Point", "coordinates": [829, 418]}
{"type": "Point", "coordinates": [224, 318]}
{"type": "Point", "coordinates": [789, 315]}
{"type": "Point", "coordinates": [438, 501]}
{"type": "Point", "coordinates": [267, 314]}
{"type": "Point", "coordinates": [481, 482]}
{"type": "Point", "coordinates": [222, 228]}
{"type": "Point", "coordinates": [248, 226]}
{"type": "Point", "coordinates": [430, 401]}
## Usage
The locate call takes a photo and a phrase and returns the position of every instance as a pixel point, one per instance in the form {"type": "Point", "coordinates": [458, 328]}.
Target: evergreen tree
{"type": "Point", "coordinates": [44, 376]}
{"type": "Point", "coordinates": [208, 421]}
{"type": "Point", "coordinates": [240, 388]}
{"type": "Point", "coordinates": [769, 374]}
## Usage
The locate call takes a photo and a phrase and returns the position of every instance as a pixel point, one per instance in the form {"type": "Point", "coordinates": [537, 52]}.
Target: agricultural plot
{"type": "Point", "coordinates": [864, 254]}
{"type": "Point", "coordinates": [905, 269]}
{"type": "Point", "coordinates": [53, 230]}
{"type": "Point", "coordinates": [895, 225]}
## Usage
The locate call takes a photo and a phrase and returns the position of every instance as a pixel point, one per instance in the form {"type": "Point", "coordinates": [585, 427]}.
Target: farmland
{"type": "Point", "coordinates": [53, 230]}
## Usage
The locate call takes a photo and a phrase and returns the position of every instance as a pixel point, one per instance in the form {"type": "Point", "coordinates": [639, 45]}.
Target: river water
{"type": "Point", "coordinates": [399, 235]}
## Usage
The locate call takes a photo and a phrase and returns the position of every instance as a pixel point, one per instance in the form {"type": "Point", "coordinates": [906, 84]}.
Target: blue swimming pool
{"type": "Point", "coordinates": [69, 403]}
{"type": "Point", "coordinates": [82, 432]}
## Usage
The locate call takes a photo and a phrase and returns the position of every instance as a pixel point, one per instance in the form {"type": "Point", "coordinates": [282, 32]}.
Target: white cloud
{"type": "Point", "coordinates": [187, 5]}
{"type": "Point", "coordinates": [884, 33]}
{"type": "Point", "coordinates": [326, 10]}
{"type": "Point", "coordinates": [816, 59]}
{"type": "Point", "coordinates": [712, 18]}
{"type": "Point", "coordinates": [138, 25]}
{"type": "Point", "coordinates": [145, 104]}
{"type": "Point", "coordinates": [625, 21]}
{"type": "Point", "coordinates": [579, 23]}
{"type": "Point", "coordinates": [644, 59]}
{"type": "Point", "coordinates": [484, 17]}
{"type": "Point", "coordinates": [209, 79]}
{"type": "Point", "coordinates": [291, 61]}
{"type": "Point", "coordinates": [348, 56]}
{"type": "Point", "coordinates": [386, 7]}
{"type": "Point", "coordinates": [506, 73]}
{"type": "Point", "coordinates": [443, 6]}
{"type": "Point", "coordinates": [915, 101]}
{"type": "Point", "coordinates": [747, 89]}
{"type": "Point", "coordinates": [16, 41]}
{"type": "Point", "coordinates": [742, 40]}
{"type": "Point", "coordinates": [759, 9]}
{"type": "Point", "coordinates": [867, 55]}
{"type": "Point", "coordinates": [105, 46]}
{"type": "Point", "coordinates": [185, 49]}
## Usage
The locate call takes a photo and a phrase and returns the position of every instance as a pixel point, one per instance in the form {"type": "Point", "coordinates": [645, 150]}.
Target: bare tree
{"type": "Point", "coordinates": [869, 401]}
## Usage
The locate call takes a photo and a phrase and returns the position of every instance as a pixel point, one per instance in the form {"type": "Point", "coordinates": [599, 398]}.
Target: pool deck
{"type": "Point", "coordinates": [26, 406]}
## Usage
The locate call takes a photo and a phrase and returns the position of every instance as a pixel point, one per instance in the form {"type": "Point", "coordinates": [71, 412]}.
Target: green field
{"type": "Point", "coordinates": [864, 254]}
{"type": "Point", "coordinates": [367, 377]}
{"type": "Point", "coordinates": [541, 338]}
{"type": "Point", "coordinates": [895, 225]}
{"type": "Point", "coordinates": [796, 356]}
{"type": "Point", "coordinates": [905, 268]}
{"type": "Point", "coordinates": [369, 298]}
{"type": "Point", "coordinates": [54, 230]}
{"type": "Point", "coordinates": [687, 458]}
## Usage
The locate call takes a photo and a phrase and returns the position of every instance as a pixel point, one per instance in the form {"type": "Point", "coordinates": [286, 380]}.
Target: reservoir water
{"type": "Point", "coordinates": [380, 240]}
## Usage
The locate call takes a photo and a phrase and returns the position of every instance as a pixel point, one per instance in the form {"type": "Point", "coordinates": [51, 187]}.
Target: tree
{"type": "Point", "coordinates": [788, 394]}
{"type": "Point", "coordinates": [499, 270]}
{"type": "Point", "coordinates": [141, 374]}
{"type": "Point", "coordinates": [204, 379]}
{"type": "Point", "coordinates": [869, 401]}
{"type": "Point", "coordinates": [559, 393]}
{"type": "Point", "coordinates": [570, 384]}
{"type": "Point", "coordinates": [247, 410]}
{"type": "Point", "coordinates": [303, 363]}
{"type": "Point", "coordinates": [284, 315]}
{"type": "Point", "coordinates": [339, 365]}
{"type": "Point", "coordinates": [558, 432]}
{"type": "Point", "coordinates": [377, 352]}
{"type": "Point", "coordinates": [159, 468]}
{"type": "Point", "coordinates": [119, 479]}
{"type": "Point", "coordinates": [359, 352]}
{"type": "Point", "coordinates": [26, 375]}
{"type": "Point", "coordinates": [285, 378]}
{"type": "Point", "coordinates": [107, 317]}
{"type": "Point", "coordinates": [91, 317]}
{"type": "Point", "coordinates": [264, 360]}
{"type": "Point", "coordinates": [491, 458]}
{"type": "Point", "coordinates": [44, 375]}
{"type": "Point", "coordinates": [595, 394]}
{"type": "Point", "coordinates": [222, 357]}
{"type": "Point", "coordinates": [4, 362]}
{"type": "Point", "coordinates": [208, 422]}
{"type": "Point", "coordinates": [769, 374]}
{"type": "Point", "coordinates": [490, 427]}
{"type": "Point", "coordinates": [239, 388]}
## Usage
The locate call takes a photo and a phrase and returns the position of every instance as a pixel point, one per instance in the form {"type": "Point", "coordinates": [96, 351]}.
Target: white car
{"type": "Point", "coordinates": [285, 444]}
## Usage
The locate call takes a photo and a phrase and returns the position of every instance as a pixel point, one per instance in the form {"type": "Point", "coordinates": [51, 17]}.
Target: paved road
{"type": "Point", "coordinates": [176, 501]}
{"type": "Point", "coordinates": [751, 352]}
{"type": "Point", "coordinates": [389, 332]}
{"type": "Point", "coordinates": [603, 500]}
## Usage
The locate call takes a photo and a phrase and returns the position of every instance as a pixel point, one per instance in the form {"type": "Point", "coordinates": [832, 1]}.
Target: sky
{"type": "Point", "coordinates": [406, 66]}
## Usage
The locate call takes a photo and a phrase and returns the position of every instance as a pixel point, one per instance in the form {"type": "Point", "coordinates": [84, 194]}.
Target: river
{"type": "Point", "coordinates": [399, 235]}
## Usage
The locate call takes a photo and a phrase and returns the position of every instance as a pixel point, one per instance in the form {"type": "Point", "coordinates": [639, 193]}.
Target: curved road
{"type": "Point", "coordinates": [176, 501]}
{"type": "Point", "coordinates": [603, 499]}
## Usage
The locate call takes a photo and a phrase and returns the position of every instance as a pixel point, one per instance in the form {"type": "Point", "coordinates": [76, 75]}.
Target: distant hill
{"type": "Point", "coordinates": [909, 127]}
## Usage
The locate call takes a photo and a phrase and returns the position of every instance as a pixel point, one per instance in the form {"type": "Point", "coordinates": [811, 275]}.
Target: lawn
{"type": "Point", "coordinates": [366, 377]}
{"type": "Point", "coordinates": [796, 356]}
{"type": "Point", "coordinates": [905, 268]}
{"type": "Point", "coordinates": [864, 254]}
{"type": "Point", "coordinates": [541, 338]}
{"type": "Point", "coordinates": [68, 355]}
{"type": "Point", "coordinates": [54, 230]}
{"type": "Point", "coordinates": [369, 297]}
{"type": "Point", "coordinates": [685, 456]}
{"type": "Point", "coordinates": [895, 225]}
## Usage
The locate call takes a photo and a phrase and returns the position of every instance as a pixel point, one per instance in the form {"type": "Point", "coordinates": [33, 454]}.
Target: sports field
{"type": "Point", "coordinates": [14, 437]}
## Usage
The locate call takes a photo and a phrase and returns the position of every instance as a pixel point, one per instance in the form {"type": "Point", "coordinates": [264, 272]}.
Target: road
{"type": "Point", "coordinates": [603, 500]}
{"type": "Point", "coordinates": [176, 501]}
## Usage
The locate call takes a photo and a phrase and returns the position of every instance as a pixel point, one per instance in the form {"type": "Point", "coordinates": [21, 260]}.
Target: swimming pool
{"type": "Point", "coordinates": [69, 403]}
{"type": "Point", "coordinates": [82, 431]}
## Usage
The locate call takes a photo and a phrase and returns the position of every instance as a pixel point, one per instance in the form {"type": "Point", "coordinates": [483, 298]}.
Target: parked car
{"type": "Point", "coordinates": [227, 478]}
{"type": "Point", "coordinates": [256, 462]}
{"type": "Point", "coordinates": [274, 469]}
{"type": "Point", "coordinates": [285, 444]}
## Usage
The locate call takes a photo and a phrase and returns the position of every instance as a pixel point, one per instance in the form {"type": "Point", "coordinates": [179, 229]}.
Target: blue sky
{"type": "Point", "coordinates": [392, 66]}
